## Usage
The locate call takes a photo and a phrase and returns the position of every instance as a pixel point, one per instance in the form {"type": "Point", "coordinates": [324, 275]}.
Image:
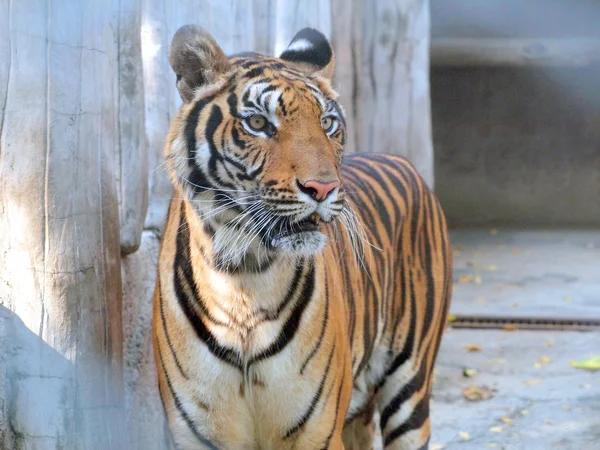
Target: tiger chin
{"type": "Point", "coordinates": [298, 289]}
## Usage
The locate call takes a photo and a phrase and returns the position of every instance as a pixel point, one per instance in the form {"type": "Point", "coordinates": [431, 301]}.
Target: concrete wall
{"type": "Point", "coordinates": [517, 146]}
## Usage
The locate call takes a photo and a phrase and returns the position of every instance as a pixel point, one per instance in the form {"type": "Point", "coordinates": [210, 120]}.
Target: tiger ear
{"type": "Point", "coordinates": [196, 59]}
{"type": "Point", "coordinates": [311, 52]}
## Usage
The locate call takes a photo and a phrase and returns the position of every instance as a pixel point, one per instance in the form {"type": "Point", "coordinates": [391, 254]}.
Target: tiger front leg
{"type": "Point", "coordinates": [359, 434]}
{"type": "Point", "coordinates": [403, 402]}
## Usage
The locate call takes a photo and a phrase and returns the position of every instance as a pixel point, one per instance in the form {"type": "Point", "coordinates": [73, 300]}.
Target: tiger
{"type": "Point", "coordinates": [299, 290]}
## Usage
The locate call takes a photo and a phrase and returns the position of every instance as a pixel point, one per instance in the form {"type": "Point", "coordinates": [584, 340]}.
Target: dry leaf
{"type": "Point", "coordinates": [532, 382]}
{"type": "Point", "coordinates": [545, 360]}
{"type": "Point", "coordinates": [481, 299]}
{"type": "Point", "coordinates": [492, 268]}
{"type": "Point", "coordinates": [514, 305]}
{"type": "Point", "coordinates": [467, 372]}
{"type": "Point", "coordinates": [506, 420]}
{"type": "Point", "coordinates": [476, 394]}
{"type": "Point", "coordinates": [591, 364]}
{"type": "Point", "coordinates": [516, 251]}
{"type": "Point", "coordinates": [464, 279]}
{"type": "Point", "coordinates": [451, 317]}
{"type": "Point", "coordinates": [509, 327]}
{"type": "Point", "coordinates": [497, 429]}
{"type": "Point", "coordinates": [472, 348]}
{"type": "Point", "coordinates": [464, 435]}
{"type": "Point", "coordinates": [549, 343]}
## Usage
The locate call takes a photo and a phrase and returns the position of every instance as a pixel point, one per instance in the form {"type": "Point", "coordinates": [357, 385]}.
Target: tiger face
{"type": "Point", "coordinates": [258, 145]}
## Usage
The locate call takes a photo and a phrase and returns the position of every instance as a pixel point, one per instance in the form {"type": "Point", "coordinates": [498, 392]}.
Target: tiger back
{"type": "Point", "coordinates": [297, 289]}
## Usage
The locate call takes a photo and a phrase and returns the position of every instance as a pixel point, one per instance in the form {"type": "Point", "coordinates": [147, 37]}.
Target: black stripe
{"type": "Point", "coordinates": [190, 127]}
{"type": "Point", "coordinates": [367, 340]}
{"type": "Point", "coordinates": [235, 135]}
{"type": "Point", "coordinates": [320, 340]}
{"type": "Point", "coordinates": [253, 173]}
{"type": "Point", "coordinates": [407, 351]}
{"type": "Point", "coordinates": [281, 104]}
{"type": "Point", "coordinates": [215, 119]}
{"type": "Point", "coordinates": [232, 102]}
{"type": "Point", "coordinates": [196, 177]}
{"type": "Point", "coordinates": [293, 322]}
{"type": "Point", "coordinates": [311, 408]}
{"type": "Point", "coordinates": [257, 71]}
{"type": "Point", "coordinates": [169, 343]}
{"type": "Point", "coordinates": [290, 294]}
{"type": "Point", "coordinates": [225, 354]}
{"type": "Point", "coordinates": [350, 302]}
{"type": "Point", "coordinates": [375, 199]}
{"type": "Point", "coordinates": [430, 296]}
{"type": "Point", "coordinates": [354, 175]}
{"type": "Point", "coordinates": [414, 385]}
{"type": "Point", "coordinates": [414, 422]}
{"type": "Point", "coordinates": [198, 181]}
{"type": "Point", "coordinates": [203, 440]}
{"type": "Point", "coordinates": [337, 409]}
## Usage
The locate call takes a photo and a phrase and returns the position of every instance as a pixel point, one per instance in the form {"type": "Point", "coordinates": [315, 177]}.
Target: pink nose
{"type": "Point", "coordinates": [317, 190]}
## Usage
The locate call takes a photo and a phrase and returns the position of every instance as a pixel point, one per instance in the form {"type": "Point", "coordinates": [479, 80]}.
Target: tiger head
{"type": "Point", "coordinates": [257, 146]}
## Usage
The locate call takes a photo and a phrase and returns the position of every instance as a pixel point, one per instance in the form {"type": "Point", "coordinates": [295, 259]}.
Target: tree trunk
{"type": "Point", "coordinates": [132, 157]}
{"type": "Point", "coordinates": [382, 74]}
{"type": "Point", "coordinates": [59, 226]}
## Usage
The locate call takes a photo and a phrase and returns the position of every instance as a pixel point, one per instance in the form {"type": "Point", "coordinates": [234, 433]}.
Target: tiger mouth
{"type": "Point", "coordinates": [307, 225]}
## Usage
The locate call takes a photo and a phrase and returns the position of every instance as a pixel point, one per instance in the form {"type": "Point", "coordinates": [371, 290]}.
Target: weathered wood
{"type": "Point", "coordinates": [59, 224]}
{"type": "Point", "coordinates": [382, 73]}
{"type": "Point", "coordinates": [132, 158]}
{"type": "Point", "coordinates": [292, 16]}
{"type": "Point", "coordinates": [160, 101]}
{"type": "Point", "coordinates": [144, 408]}
{"type": "Point", "coordinates": [515, 52]}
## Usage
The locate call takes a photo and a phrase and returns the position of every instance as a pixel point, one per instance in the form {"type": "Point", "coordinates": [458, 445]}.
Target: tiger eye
{"type": "Point", "coordinates": [257, 122]}
{"type": "Point", "coordinates": [327, 123]}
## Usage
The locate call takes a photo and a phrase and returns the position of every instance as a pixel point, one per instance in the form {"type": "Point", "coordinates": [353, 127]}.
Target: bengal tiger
{"type": "Point", "coordinates": [297, 290]}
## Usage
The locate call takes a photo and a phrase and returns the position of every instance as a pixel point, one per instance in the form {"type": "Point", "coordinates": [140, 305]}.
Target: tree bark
{"type": "Point", "coordinates": [382, 74]}
{"type": "Point", "coordinates": [59, 225]}
{"type": "Point", "coordinates": [132, 157]}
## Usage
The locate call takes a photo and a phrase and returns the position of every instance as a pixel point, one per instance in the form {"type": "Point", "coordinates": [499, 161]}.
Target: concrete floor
{"type": "Point", "coordinates": [538, 401]}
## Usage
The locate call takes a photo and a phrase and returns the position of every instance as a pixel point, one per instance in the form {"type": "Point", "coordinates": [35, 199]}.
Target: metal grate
{"type": "Point", "coordinates": [523, 323]}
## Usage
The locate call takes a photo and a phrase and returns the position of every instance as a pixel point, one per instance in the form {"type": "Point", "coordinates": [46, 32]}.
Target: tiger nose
{"type": "Point", "coordinates": [318, 190]}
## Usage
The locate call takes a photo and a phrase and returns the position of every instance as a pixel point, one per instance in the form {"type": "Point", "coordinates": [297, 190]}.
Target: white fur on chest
{"type": "Point", "coordinates": [256, 401]}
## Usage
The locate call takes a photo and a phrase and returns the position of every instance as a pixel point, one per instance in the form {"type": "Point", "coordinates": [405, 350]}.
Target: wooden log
{"type": "Point", "coordinates": [160, 102]}
{"type": "Point", "coordinates": [382, 55]}
{"type": "Point", "coordinates": [59, 223]}
{"type": "Point", "coordinates": [515, 52]}
{"type": "Point", "coordinates": [145, 413]}
{"type": "Point", "coordinates": [132, 157]}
